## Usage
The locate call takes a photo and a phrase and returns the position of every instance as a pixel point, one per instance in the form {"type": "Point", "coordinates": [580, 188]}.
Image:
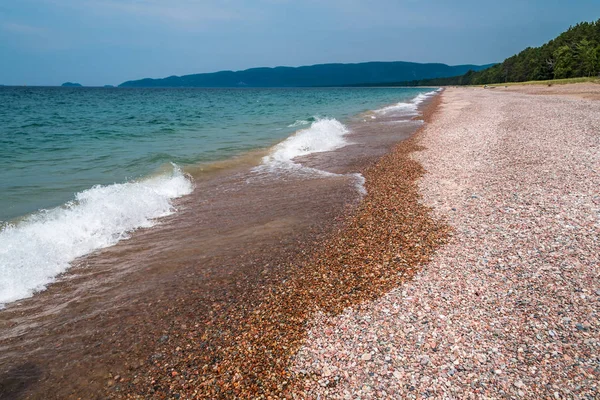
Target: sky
{"type": "Point", "coordinates": [99, 42]}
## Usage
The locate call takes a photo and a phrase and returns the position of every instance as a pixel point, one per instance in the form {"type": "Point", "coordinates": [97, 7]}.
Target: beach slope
{"type": "Point", "coordinates": [509, 306]}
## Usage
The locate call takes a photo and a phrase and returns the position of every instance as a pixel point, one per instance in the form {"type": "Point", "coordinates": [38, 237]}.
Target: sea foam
{"type": "Point", "coordinates": [407, 108]}
{"type": "Point", "coordinates": [37, 249]}
{"type": "Point", "coordinates": [323, 135]}
{"type": "Point", "coordinates": [421, 97]}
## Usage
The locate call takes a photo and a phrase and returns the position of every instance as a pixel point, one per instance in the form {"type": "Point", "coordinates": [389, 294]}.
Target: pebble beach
{"type": "Point", "coordinates": [469, 269]}
{"type": "Point", "coordinates": [508, 306]}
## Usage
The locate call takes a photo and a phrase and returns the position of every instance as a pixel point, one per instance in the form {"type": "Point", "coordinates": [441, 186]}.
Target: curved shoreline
{"type": "Point", "coordinates": [102, 215]}
{"type": "Point", "coordinates": [163, 312]}
{"type": "Point", "coordinates": [376, 248]}
{"type": "Point", "coordinates": [509, 307]}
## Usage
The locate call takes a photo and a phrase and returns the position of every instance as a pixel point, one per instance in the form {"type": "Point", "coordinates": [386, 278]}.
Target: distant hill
{"type": "Point", "coordinates": [311, 76]}
{"type": "Point", "coordinates": [71, 84]}
{"type": "Point", "coordinates": [572, 54]}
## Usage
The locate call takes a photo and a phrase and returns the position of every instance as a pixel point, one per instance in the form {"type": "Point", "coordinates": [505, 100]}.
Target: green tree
{"type": "Point", "coordinates": [586, 55]}
{"type": "Point", "coordinates": [564, 62]}
{"type": "Point", "coordinates": [573, 53]}
{"type": "Point", "coordinates": [597, 57]}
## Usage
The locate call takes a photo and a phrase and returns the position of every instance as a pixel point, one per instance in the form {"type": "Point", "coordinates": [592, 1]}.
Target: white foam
{"type": "Point", "coordinates": [404, 108]}
{"type": "Point", "coordinates": [360, 183]}
{"type": "Point", "coordinates": [407, 108]}
{"type": "Point", "coordinates": [34, 251]}
{"type": "Point", "coordinates": [323, 135]}
{"type": "Point", "coordinates": [421, 97]}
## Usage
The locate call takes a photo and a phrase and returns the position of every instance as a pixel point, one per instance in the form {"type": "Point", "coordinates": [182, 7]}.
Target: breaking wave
{"type": "Point", "coordinates": [36, 249]}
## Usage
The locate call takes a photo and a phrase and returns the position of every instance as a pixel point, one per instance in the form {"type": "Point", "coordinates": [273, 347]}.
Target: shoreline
{"type": "Point", "coordinates": [508, 308]}
{"type": "Point", "coordinates": [127, 315]}
{"type": "Point", "coordinates": [253, 359]}
{"type": "Point", "coordinates": [113, 213]}
{"type": "Point", "coordinates": [357, 263]}
{"type": "Point", "coordinates": [468, 269]}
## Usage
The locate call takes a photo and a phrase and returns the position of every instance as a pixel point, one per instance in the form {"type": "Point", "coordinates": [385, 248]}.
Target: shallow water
{"type": "Point", "coordinates": [55, 142]}
{"type": "Point", "coordinates": [245, 222]}
{"type": "Point", "coordinates": [83, 168]}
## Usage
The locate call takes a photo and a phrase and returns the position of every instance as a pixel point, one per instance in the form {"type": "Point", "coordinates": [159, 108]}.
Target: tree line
{"type": "Point", "coordinates": [574, 53]}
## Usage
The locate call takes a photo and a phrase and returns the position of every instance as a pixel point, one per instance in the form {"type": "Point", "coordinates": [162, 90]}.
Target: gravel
{"type": "Point", "coordinates": [508, 308]}
{"type": "Point", "coordinates": [248, 352]}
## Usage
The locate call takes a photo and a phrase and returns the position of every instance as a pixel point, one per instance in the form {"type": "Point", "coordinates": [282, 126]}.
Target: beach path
{"type": "Point", "coordinates": [509, 307]}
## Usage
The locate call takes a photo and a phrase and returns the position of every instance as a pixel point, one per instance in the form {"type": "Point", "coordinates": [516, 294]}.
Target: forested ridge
{"type": "Point", "coordinates": [314, 75]}
{"type": "Point", "coordinates": [574, 53]}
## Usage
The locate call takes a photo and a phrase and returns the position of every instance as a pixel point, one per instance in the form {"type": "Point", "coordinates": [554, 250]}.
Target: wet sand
{"type": "Point", "coordinates": [213, 301]}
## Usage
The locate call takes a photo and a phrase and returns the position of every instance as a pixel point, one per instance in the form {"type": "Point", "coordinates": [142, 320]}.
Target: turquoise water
{"type": "Point", "coordinates": [82, 168]}
{"type": "Point", "coordinates": [55, 142]}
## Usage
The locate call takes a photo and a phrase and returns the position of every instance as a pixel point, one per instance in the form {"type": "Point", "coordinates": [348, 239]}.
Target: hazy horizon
{"type": "Point", "coordinates": [100, 42]}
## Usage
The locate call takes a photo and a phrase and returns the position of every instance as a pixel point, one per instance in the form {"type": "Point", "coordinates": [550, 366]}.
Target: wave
{"type": "Point", "coordinates": [421, 97]}
{"type": "Point", "coordinates": [40, 247]}
{"type": "Point", "coordinates": [407, 108]}
{"type": "Point", "coordinates": [323, 135]}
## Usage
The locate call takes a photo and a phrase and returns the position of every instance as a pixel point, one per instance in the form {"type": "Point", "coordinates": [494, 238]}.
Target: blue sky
{"type": "Point", "coordinates": [97, 42]}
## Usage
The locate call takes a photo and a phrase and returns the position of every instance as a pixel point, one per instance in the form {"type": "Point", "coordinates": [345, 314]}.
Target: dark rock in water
{"type": "Point", "coordinates": [71, 84]}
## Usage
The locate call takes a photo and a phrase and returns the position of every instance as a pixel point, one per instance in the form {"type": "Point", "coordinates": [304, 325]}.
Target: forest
{"type": "Point", "coordinates": [574, 53]}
